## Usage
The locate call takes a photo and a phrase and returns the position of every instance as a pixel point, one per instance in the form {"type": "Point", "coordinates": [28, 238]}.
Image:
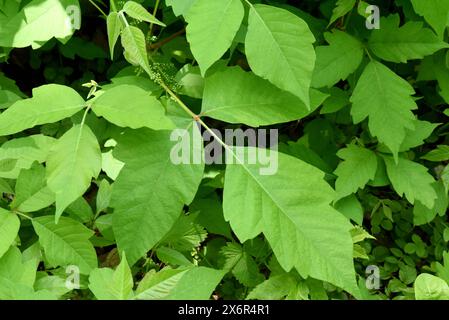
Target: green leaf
{"type": "Point", "coordinates": [436, 13]}
{"type": "Point", "coordinates": [180, 7]}
{"type": "Point", "coordinates": [441, 153]}
{"type": "Point", "coordinates": [289, 208]}
{"type": "Point", "coordinates": [211, 215]}
{"type": "Point", "coordinates": [338, 60]}
{"type": "Point", "coordinates": [386, 99]}
{"type": "Point", "coordinates": [423, 215]}
{"type": "Point", "coordinates": [73, 162]}
{"type": "Point", "coordinates": [131, 106]}
{"type": "Point", "coordinates": [212, 26]}
{"type": "Point", "coordinates": [429, 287]}
{"type": "Point", "coordinates": [143, 218]}
{"type": "Point", "coordinates": [114, 27]}
{"type": "Point", "coordinates": [412, 179]}
{"type": "Point", "coordinates": [17, 277]}
{"type": "Point", "coordinates": [186, 234]}
{"type": "Point", "coordinates": [107, 284]}
{"type": "Point", "coordinates": [40, 21]}
{"type": "Point", "coordinates": [351, 208]}
{"type": "Point", "coordinates": [9, 227]}
{"type": "Point", "coordinates": [250, 100]}
{"type": "Point", "coordinates": [337, 101]}
{"type": "Point", "coordinates": [359, 167]}
{"type": "Point", "coordinates": [32, 193]}
{"type": "Point", "coordinates": [242, 265]}
{"type": "Point", "coordinates": [50, 103]}
{"type": "Point", "coordinates": [416, 137]}
{"type": "Point", "coordinates": [26, 150]}
{"type": "Point", "coordinates": [179, 284]}
{"type": "Point", "coordinates": [66, 243]}
{"type": "Point", "coordinates": [189, 288]}
{"type": "Point", "coordinates": [157, 286]}
{"type": "Point", "coordinates": [103, 196]}
{"type": "Point", "coordinates": [400, 44]}
{"type": "Point", "coordinates": [275, 288]}
{"type": "Point", "coordinates": [173, 257]}
{"type": "Point", "coordinates": [279, 48]}
{"type": "Point", "coordinates": [342, 7]}
{"type": "Point", "coordinates": [133, 41]}
{"type": "Point", "coordinates": [137, 11]}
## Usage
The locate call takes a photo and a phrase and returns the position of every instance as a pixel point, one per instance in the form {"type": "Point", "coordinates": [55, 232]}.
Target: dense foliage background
{"type": "Point", "coordinates": [92, 207]}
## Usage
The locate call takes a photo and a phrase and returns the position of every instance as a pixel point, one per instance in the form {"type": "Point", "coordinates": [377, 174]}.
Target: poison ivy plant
{"type": "Point", "coordinates": [233, 149]}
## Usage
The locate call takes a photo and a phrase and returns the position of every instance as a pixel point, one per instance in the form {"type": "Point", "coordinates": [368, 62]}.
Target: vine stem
{"type": "Point", "coordinates": [23, 215]}
{"type": "Point", "coordinates": [113, 6]}
{"type": "Point", "coordinates": [186, 109]}
{"type": "Point", "coordinates": [98, 8]}
{"type": "Point", "coordinates": [150, 32]}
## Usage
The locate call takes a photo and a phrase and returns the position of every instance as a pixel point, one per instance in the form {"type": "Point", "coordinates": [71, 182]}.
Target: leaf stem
{"type": "Point", "coordinates": [22, 215]}
{"type": "Point", "coordinates": [150, 32]}
{"type": "Point", "coordinates": [98, 8]}
{"type": "Point", "coordinates": [113, 6]}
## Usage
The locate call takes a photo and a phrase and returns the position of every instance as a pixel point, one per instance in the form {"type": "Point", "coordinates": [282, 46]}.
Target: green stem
{"type": "Point", "coordinates": [123, 18]}
{"type": "Point", "coordinates": [150, 33]}
{"type": "Point", "coordinates": [22, 215]}
{"type": "Point", "coordinates": [113, 6]}
{"type": "Point", "coordinates": [368, 54]}
{"type": "Point", "coordinates": [98, 8]}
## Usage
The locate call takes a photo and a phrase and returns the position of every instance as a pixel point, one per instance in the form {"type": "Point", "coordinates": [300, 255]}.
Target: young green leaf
{"type": "Point", "coordinates": [386, 99]}
{"type": "Point", "coordinates": [412, 179]}
{"type": "Point", "coordinates": [179, 284]}
{"type": "Point", "coordinates": [279, 48]}
{"type": "Point", "coordinates": [74, 160]}
{"type": "Point", "coordinates": [26, 150]}
{"type": "Point", "coordinates": [275, 288]}
{"type": "Point", "coordinates": [212, 25]}
{"type": "Point", "coordinates": [342, 7]}
{"type": "Point", "coordinates": [338, 60]}
{"type": "Point", "coordinates": [66, 243]}
{"type": "Point", "coordinates": [137, 11]}
{"type": "Point", "coordinates": [9, 227]}
{"type": "Point", "coordinates": [107, 284]}
{"type": "Point", "coordinates": [423, 215]}
{"type": "Point", "coordinates": [429, 287]}
{"type": "Point", "coordinates": [50, 103]}
{"type": "Point", "coordinates": [441, 153]}
{"type": "Point", "coordinates": [133, 41]}
{"type": "Point", "coordinates": [436, 13]}
{"type": "Point", "coordinates": [359, 167]}
{"type": "Point", "coordinates": [114, 27]}
{"type": "Point", "coordinates": [242, 265]}
{"type": "Point", "coordinates": [133, 107]}
{"type": "Point", "coordinates": [32, 193]}
{"type": "Point", "coordinates": [399, 44]}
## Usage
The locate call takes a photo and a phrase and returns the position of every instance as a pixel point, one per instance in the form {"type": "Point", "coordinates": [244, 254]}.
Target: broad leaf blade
{"type": "Point", "coordinates": [50, 103]}
{"type": "Point", "coordinates": [73, 162]}
{"type": "Point", "coordinates": [66, 243]}
{"type": "Point", "coordinates": [289, 208]}
{"type": "Point", "coordinates": [158, 189]}
{"type": "Point", "coordinates": [212, 26]}
{"type": "Point", "coordinates": [385, 98]}
{"type": "Point", "coordinates": [131, 106]}
{"type": "Point", "coordinates": [279, 48]}
{"type": "Point", "coordinates": [9, 227]}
